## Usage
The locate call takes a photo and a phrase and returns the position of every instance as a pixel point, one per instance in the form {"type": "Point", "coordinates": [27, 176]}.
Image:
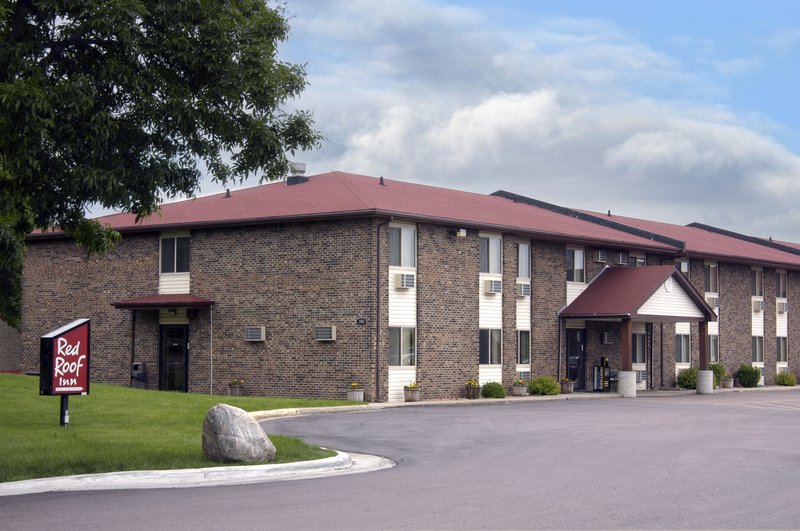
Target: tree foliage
{"type": "Point", "coordinates": [121, 102]}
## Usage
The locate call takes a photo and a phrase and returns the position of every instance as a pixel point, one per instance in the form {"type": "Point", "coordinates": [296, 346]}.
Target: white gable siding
{"type": "Point", "coordinates": [573, 290]}
{"type": "Point", "coordinates": [675, 303]}
{"type": "Point", "coordinates": [490, 305]}
{"type": "Point", "coordinates": [172, 283]}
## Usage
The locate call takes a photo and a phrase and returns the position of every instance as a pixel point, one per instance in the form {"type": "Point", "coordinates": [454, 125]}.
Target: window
{"type": "Point", "coordinates": [575, 265]}
{"type": "Point", "coordinates": [402, 346]}
{"type": "Point", "coordinates": [713, 349]}
{"type": "Point", "coordinates": [682, 350]}
{"type": "Point", "coordinates": [637, 260]}
{"type": "Point", "coordinates": [780, 283]}
{"type": "Point", "coordinates": [175, 255]}
{"type": "Point", "coordinates": [491, 347]}
{"type": "Point", "coordinates": [712, 278]}
{"type": "Point", "coordinates": [523, 347]}
{"type": "Point", "coordinates": [758, 349]}
{"type": "Point", "coordinates": [403, 246]}
{"type": "Point", "coordinates": [757, 282]}
{"type": "Point", "coordinates": [683, 267]}
{"type": "Point", "coordinates": [524, 261]}
{"type": "Point", "coordinates": [783, 350]}
{"type": "Point", "coordinates": [491, 254]}
{"type": "Point", "coordinates": [638, 352]}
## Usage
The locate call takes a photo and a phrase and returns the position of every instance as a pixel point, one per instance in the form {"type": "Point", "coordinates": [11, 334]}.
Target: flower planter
{"type": "Point", "coordinates": [236, 390]}
{"type": "Point", "coordinates": [472, 391]}
{"type": "Point", "coordinates": [411, 394]}
{"type": "Point", "coordinates": [567, 388]}
{"type": "Point", "coordinates": [519, 390]}
{"type": "Point", "coordinates": [355, 395]}
{"type": "Point", "coordinates": [727, 383]}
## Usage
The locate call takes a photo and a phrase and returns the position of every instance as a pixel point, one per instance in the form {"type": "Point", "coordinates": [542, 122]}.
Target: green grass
{"type": "Point", "coordinates": [118, 428]}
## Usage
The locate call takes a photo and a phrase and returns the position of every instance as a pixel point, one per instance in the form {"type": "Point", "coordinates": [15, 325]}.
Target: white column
{"type": "Point", "coordinates": [626, 383]}
{"type": "Point", "coordinates": [705, 382]}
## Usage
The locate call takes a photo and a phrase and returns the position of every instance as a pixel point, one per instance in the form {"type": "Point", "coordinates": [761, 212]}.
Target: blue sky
{"type": "Point", "coordinates": [676, 111]}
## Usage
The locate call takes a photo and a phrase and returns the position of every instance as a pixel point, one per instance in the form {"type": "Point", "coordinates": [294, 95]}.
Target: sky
{"type": "Point", "coordinates": [674, 111]}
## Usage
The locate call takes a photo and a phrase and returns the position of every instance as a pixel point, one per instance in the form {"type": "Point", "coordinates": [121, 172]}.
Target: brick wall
{"type": "Point", "coordinates": [793, 293]}
{"type": "Point", "coordinates": [10, 348]}
{"type": "Point", "coordinates": [548, 294]}
{"type": "Point", "coordinates": [735, 341]}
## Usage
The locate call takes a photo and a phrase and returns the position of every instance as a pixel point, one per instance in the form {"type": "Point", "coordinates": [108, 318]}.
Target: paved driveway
{"type": "Point", "coordinates": [722, 461]}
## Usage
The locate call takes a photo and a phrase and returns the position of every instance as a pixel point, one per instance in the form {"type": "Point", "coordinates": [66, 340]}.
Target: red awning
{"type": "Point", "coordinates": [154, 302]}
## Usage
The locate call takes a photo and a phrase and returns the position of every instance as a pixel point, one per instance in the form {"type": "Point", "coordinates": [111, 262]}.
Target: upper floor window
{"type": "Point", "coordinates": [638, 348]}
{"type": "Point", "coordinates": [712, 278]}
{"type": "Point", "coordinates": [403, 246]}
{"type": "Point", "coordinates": [682, 348]}
{"type": "Point", "coordinates": [491, 347]}
{"type": "Point", "coordinates": [175, 254]}
{"type": "Point", "coordinates": [575, 265]}
{"type": "Point", "coordinates": [523, 347]}
{"type": "Point", "coordinates": [780, 284]}
{"type": "Point", "coordinates": [783, 350]}
{"type": "Point", "coordinates": [758, 349]}
{"type": "Point", "coordinates": [683, 267]}
{"type": "Point", "coordinates": [757, 282]}
{"type": "Point", "coordinates": [637, 260]}
{"type": "Point", "coordinates": [524, 260]}
{"type": "Point", "coordinates": [491, 254]}
{"type": "Point", "coordinates": [713, 348]}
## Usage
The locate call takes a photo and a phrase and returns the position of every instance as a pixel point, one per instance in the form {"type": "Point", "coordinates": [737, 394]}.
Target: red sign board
{"type": "Point", "coordinates": [64, 360]}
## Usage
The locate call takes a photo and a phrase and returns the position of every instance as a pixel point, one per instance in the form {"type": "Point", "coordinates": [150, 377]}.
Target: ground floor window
{"type": "Point", "coordinates": [638, 351]}
{"type": "Point", "coordinates": [682, 350]}
{"type": "Point", "coordinates": [783, 350]}
{"type": "Point", "coordinates": [491, 347]}
{"type": "Point", "coordinates": [523, 347]}
{"type": "Point", "coordinates": [758, 349]}
{"type": "Point", "coordinates": [713, 349]}
{"type": "Point", "coordinates": [402, 346]}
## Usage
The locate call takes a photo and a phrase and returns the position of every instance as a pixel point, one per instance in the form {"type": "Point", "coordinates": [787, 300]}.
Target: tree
{"type": "Point", "coordinates": [121, 102]}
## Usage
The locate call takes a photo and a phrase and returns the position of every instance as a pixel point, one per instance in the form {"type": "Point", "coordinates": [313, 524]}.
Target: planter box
{"type": "Point", "coordinates": [567, 388]}
{"type": "Point", "coordinates": [727, 383]}
{"type": "Point", "coordinates": [355, 395]}
{"type": "Point", "coordinates": [519, 390]}
{"type": "Point", "coordinates": [472, 391]}
{"type": "Point", "coordinates": [236, 390]}
{"type": "Point", "coordinates": [411, 394]}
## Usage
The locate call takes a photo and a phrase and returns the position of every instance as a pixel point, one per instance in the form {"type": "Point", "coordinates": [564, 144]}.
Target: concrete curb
{"type": "Point", "coordinates": [341, 463]}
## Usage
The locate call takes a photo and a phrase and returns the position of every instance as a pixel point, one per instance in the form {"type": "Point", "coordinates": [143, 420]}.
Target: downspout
{"type": "Point", "coordinates": [211, 347]}
{"type": "Point", "coordinates": [133, 342]}
{"type": "Point", "coordinates": [378, 306]}
{"type": "Point", "coordinates": [661, 348]}
{"type": "Point", "coordinates": [558, 367]}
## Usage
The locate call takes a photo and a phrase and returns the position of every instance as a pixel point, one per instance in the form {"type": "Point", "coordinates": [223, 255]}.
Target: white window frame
{"type": "Point", "coordinates": [639, 349]}
{"type": "Point", "coordinates": [174, 236]}
{"type": "Point", "coordinates": [711, 271]}
{"type": "Point", "coordinates": [407, 359]}
{"type": "Point", "coordinates": [495, 338]}
{"type": "Point", "coordinates": [407, 242]}
{"type": "Point", "coordinates": [713, 348]}
{"type": "Point", "coordinates": [637, 260]}
{"type": "Point", "coordinates": [757, 350]}
{"type": "Point", "coordinates": [492, 246]}
{"type": "Point", "coordinates": [757, 282]}
{"type": "Point", "coordinates": [782, 352]}
{"type": "Point", "coordinates": [781, 286]}
{"type": "Point", "coordinates": [524, 261]}
{"type": "Point", "coordinates": [520, 344]}
{"type": "Point", "coordinates": [680, 342]}
{"type": "Point", "coordinates": [578, 255]}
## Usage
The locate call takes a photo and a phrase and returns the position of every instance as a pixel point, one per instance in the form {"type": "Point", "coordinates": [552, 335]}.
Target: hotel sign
{"type": "Point", "coordinates": [64, 360]}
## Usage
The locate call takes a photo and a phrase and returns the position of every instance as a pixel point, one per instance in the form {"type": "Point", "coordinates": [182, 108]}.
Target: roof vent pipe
{"type": "Point", "coordinates": [297, 169]}
{"type": "Point", "coordinates": [381, 183]}
{"type": "Point", "coordinates": [227, 193]}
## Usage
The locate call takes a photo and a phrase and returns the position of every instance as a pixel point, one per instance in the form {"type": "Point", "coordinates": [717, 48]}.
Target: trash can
{"type": "Point", "coordinates": [139, 374]}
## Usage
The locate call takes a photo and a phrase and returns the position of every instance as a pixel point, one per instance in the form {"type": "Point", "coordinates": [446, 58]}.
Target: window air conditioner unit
{"type": "Point", "coordinates": [605, 338]}
{"type": "Point", "coordinates": [404, 281]}
{"type": "Point", "coordinates": [523, 290]}
{"type": "Point", "coordinates": [783, 307]}
{"type": "Point", "coordinates": [601, 256]}
{"type": "Point", "coordinates": [493, 286]}
{"type": "Point", "coordinates": [621, 258]}
{"type": "Point", "coordinates": [713, 301]}
{"type": "Point", "coordinates": [325, 333]}
{"type": "Point", "coordinates": [758, 306]}
{"type": "Point", "coordinates": [255, 333]}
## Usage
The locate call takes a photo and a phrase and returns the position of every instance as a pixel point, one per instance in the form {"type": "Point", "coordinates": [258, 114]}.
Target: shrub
{"type": "Point", "coordinates": [719, 373]}
{"type": "Point", "coordinates": [687, 378]}
{"type": "Point", "coordinates": [544, 385]}
{"type": "Point", "coordinates": [493, 390]}
{"type": "Point", "coordinates": [786, 378]}
{"type": "Point", "coordinates": [748, 375]}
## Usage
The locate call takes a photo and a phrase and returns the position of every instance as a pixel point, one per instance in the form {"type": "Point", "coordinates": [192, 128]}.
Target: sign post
{"type": "Point", "coordinates": [64, 363]}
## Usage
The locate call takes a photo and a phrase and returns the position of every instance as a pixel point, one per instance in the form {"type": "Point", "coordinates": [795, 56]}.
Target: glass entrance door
{"type": "Point", "coordinates": [174, 358]}
{"type": "Point", "coordinates": [576, 357]}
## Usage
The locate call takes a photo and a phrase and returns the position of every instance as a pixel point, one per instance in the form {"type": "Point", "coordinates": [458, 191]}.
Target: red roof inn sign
{"type": "Point", "coordinates": [64, 363]}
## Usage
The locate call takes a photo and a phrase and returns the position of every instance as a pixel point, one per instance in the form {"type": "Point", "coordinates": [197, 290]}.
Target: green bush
{"type": "Point", "coordinates": [493, 390]}
{"type": "Point", "coordinates": [719, 373]}
{"type": "Point", "coordinates": [544, 385]}
{"type": "Point", "coordinates": [687, 378]}
{"type": "Point", "coordinates": [786, 378]}
{"type": "Point", "coordinates": [748, 375]}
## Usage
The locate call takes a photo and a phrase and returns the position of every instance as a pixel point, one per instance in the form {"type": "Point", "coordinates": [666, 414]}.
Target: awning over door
{"type": "Point", "coordinates": [155, 302]}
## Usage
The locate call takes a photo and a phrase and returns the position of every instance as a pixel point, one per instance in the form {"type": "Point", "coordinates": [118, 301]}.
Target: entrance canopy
{"type": "Point", "coordinates": [657, 293]}
{"type": "Point", "coordinates": [155, 302]}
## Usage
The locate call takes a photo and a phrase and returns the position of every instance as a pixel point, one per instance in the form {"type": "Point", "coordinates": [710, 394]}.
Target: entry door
{"type": "Point", "coordinates": [576, 357]}
{"type": "Point", "coordinates": [174, 357]}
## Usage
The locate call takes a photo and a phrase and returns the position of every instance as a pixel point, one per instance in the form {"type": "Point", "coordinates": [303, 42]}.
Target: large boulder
{"type": "Point", "coordinates": [232, 434]}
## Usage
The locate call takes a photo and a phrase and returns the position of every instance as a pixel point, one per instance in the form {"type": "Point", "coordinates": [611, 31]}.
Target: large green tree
{"type": "Point", "coordinates": [121, 102]}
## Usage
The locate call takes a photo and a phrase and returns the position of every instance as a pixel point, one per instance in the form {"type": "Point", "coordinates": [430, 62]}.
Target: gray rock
{"type": "Point", "coordinates": [232, 434]}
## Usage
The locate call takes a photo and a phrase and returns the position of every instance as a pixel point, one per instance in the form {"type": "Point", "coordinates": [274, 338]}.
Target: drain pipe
{"type": "Point", "coordinates": [378, 306]}
{"type": "Point", "coordinates": [558, 367]}
{"type": "Point", "coordinates": [211, 347]}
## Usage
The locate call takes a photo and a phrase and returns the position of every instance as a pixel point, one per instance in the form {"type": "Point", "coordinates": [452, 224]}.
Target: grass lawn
{"type": "Point", "coordinates": [119, 428]}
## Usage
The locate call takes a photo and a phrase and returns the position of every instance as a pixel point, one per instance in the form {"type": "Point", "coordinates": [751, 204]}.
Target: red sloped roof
{"type": "Point", "coordinates": [620, 291]}
{"type": "Point", "coordinates": [709, 244]}
{"type": "Point", "coordinates": [152, 302]}
{"type": "Point", "coordinates": [338, 194]}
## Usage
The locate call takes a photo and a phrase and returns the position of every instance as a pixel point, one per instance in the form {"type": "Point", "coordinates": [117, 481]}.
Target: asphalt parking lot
{"type": "Point", "coordinates": [691, 461]}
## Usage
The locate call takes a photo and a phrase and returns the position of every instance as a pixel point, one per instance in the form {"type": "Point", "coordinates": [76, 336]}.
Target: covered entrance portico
{"type": "Point", "coordinates": [657, 294]}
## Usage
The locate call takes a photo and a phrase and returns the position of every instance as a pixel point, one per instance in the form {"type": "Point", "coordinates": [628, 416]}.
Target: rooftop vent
{"type": "Point", "coordinates": [297, 176]}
